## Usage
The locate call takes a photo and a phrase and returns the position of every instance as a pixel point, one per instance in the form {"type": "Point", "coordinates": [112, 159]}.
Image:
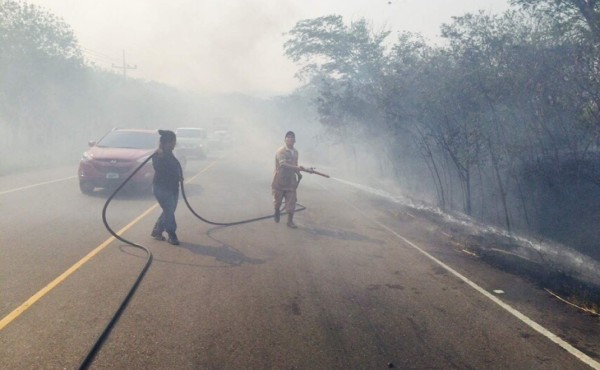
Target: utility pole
{"type": "Point", "coordinates": [125, 66]}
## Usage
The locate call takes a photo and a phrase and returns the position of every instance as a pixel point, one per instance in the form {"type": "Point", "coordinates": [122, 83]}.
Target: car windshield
{"type": "Point", "coordinates": [191, 133]}
{"type": "Point", "coordinates": [129, 139]}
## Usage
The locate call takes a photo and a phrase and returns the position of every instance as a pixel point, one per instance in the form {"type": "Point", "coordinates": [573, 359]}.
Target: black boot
{"type": "Point", "coordinates": [157, 235]}
{"type": "Point", "coordinates": [290, 222]}
{"type": "Point", "coordinates": [277, 215]}
{"type": "Point", "coordinates": [173, 239]}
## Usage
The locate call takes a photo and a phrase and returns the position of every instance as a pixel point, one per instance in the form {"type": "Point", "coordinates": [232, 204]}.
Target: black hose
{"type": "Point", "coordinates": [301, 208]}
{"type": "Point", "coordinates": [100, 341]}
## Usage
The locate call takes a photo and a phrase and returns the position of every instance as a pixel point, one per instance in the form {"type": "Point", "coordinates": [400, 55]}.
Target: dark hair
{"type": "Point", "coordinates": [166, 136]}
{"type": "Point", "coordinates": [290, 133]}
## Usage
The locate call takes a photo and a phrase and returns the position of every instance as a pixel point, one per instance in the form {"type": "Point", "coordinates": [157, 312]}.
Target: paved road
{"type": "Point", "coordinates": [362, 284]}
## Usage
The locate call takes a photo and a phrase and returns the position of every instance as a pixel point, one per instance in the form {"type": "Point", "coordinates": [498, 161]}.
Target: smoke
{"type": "Point", "coordinates": [223, 47]}
{"type": "Point", "coordinates": [208, 47]}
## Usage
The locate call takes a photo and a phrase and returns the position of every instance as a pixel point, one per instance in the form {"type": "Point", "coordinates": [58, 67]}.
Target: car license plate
{"type": "Point", "coordinates": [112, 175]}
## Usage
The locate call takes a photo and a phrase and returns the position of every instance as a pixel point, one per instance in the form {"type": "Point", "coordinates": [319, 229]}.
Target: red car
{"type": "Point", "coordinates": [110, 160]}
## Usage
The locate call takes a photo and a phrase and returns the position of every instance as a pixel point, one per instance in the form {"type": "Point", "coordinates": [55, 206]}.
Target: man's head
{"type": "Point", "coordinates": [290, 139]}
{"type": "Point", "coordinates": [168, 139]}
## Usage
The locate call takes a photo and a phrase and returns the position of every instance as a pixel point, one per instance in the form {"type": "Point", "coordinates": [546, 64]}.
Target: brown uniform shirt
{"type": "Point", "coordinates": [284, 177]}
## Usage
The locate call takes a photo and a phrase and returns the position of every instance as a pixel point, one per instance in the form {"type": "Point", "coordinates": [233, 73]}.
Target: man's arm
{"type": "Point", "coordinates": [289, 165]}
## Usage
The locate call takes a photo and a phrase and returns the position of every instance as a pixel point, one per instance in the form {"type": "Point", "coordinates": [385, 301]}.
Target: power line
{"type": "Point", "coordinates": [125, 66]}
{"type": "Point", "coordinates": [98, 55]}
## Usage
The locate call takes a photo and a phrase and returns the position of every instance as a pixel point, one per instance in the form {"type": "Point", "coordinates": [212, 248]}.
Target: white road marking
{"type": "Point", "coordinates": [34, 185]}
{"type": "Point", "coordinates": [529, 322]}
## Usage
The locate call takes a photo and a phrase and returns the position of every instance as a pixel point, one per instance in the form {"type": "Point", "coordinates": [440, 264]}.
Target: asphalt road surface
{"type": "Point", "coordinates": [361, 284]}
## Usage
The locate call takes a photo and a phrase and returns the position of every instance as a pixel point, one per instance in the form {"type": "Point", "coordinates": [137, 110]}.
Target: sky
{"type": "Point", "coordinates": [235, 46]}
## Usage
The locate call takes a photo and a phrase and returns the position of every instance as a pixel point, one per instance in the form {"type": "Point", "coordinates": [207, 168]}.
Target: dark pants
{"type": "Point", "coordinates": [168, 202]}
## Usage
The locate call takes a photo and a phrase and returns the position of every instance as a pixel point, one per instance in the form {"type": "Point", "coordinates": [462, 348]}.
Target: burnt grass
{"type": "Point", "coordinates": [559, 281]}
{"type": "Point", "coordinates": [500, 251]}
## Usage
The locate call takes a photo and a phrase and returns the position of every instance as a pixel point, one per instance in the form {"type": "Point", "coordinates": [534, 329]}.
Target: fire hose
{"type": "Point", "coordinates": [313, 171]}
{"type": "Point", "coordinates": [100, 341]}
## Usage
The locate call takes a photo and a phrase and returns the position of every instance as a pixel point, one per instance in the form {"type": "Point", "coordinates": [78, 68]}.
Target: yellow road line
{"type": "Point", "coordinates": [45, 290]}
{"type": "Point", "coordinates": [203, 170]}
{"type": "Point", "coordinates": [28, 303]}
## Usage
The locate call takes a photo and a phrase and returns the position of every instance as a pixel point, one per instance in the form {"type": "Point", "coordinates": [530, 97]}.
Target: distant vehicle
{"type": "Point", "coordinates": [192, 141]}
{"type": "Point", "coordinates": [115, 156]}
{"type": "Point", "coordinates": [221, 139]}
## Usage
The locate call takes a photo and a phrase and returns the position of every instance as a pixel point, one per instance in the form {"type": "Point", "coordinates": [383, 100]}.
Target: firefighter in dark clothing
{"type": "Point", "coordinates": [167, 175]}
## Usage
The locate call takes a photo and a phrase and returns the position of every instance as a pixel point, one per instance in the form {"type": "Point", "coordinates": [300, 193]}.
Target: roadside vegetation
{"type": "Point", "coordinates": [499, 121]}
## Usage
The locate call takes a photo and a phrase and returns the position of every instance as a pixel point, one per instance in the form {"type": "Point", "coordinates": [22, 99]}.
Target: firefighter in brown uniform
{"type": "Point", "coordinates": [286, 178]}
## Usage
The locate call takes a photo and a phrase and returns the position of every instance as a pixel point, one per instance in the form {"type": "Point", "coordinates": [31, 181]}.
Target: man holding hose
{"type": "Point", "coordinates": [286, 178]}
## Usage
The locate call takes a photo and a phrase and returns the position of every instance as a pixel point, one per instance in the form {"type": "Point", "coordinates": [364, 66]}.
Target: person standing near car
{"type": "Point", "coordinates": [286, 178]}
{"type": "Point", "coordinates": [167, 175]}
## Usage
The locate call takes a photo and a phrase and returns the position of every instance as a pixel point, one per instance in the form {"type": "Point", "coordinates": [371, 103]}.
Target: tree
{"type": "Point", "coordinates": [27, 29]}
{"type": "Point", "coordinates": [38, 52]}
{"type": "Point", "coordinates": [583, 15]}
{"type": "Point", "coordinates": [345, 64]}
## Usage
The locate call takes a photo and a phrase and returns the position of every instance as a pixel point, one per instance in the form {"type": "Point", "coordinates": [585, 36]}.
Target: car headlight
{"type": "Point", "coordinates": [86, 156]}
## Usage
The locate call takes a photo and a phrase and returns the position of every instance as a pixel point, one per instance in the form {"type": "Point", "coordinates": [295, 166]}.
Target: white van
{"type": "Point", "coordinates": [192, 141]}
